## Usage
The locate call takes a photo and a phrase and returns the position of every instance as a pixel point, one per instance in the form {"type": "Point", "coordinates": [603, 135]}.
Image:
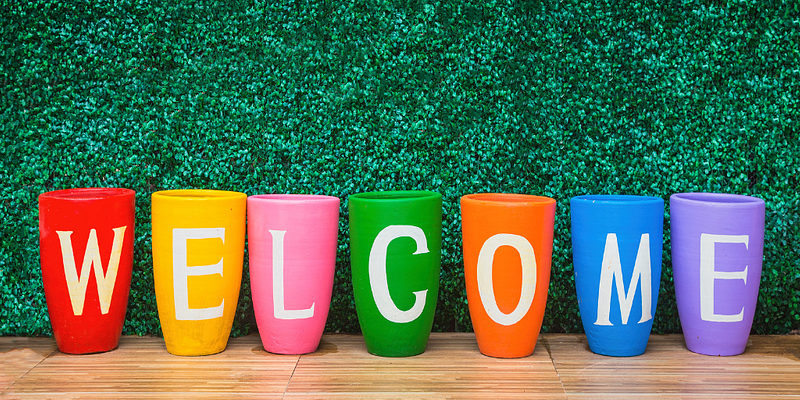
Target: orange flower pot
{"type": "Point", "coordinates": [508, 244]}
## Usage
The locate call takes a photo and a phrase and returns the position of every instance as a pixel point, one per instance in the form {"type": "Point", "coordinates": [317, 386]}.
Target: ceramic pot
{"type": "Point", "coordinates": [717, 251]}
{"type": "Point", "coordinates": [198, 247]}
{"type": "Point", "coordinates": [508, 245]}
{"type": "Point", "coordinates": [292, 242]}
{"type": "Point", "coordinates": [616, 251]}
{"type": "Point", "coordinates": [395, 255]}
{"type": "Point", "coordinates": [86, 245]}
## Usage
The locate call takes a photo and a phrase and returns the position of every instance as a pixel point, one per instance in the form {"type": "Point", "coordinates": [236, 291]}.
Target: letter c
{"type": "Point", "coordinates": [377, 273]}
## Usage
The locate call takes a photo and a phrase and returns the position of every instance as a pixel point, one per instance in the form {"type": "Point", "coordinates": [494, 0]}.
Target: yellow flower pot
{"type": "Point", "coordinates": [198, 247]}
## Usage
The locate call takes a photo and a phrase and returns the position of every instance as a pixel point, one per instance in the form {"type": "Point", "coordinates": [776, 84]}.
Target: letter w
{"type": "Point", "coordinates": [613, 267]}
{"type": "Point", "coordinates": [105, 283]}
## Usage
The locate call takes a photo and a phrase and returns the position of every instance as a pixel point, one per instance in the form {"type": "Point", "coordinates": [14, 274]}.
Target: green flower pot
{"type": "Point", "coordinates": [395, 255]}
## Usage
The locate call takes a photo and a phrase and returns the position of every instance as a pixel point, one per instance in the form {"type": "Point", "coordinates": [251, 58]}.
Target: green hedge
{"type": "Point", "coordinates": [551, 98]}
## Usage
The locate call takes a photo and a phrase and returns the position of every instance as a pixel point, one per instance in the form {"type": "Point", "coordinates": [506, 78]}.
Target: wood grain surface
{"type": "Point", "coordinates": [18, 355]}
{"type": "Point", "coordinates": [769, 367]}
{"type": "Point", "coordinates": [451, 367]}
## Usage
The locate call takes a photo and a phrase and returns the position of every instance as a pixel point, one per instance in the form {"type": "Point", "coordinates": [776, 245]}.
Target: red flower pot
{"type": "Point", "coordinates": [86, 245]}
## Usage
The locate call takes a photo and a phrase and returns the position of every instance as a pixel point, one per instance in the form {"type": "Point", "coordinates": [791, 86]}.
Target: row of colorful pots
{"type": "Point", "coordinates": [198, 239]}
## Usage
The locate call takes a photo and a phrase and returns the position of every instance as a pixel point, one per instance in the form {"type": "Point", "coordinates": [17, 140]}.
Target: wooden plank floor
{"type": "Point", "coordinates": [452, 367]}
{"type": "Point", "coordinates": [19, 355]}
{"type": "Point", "coordinates": [770, 367]}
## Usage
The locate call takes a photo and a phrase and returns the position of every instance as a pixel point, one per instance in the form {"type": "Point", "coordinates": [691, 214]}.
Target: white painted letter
{"type": "Point", "coordinates": [181, 272]}
{"type": "Point", "coordinates": [708, 274]}
{"type": "Point", "coordinates": [377, 272]}
{"type": "Point", "coordinates": [612, 267]}
{"type": "Point", "coordinates": [279, 305]}
{"type": "Point", "coordinates": [486, 286]}
{"type": "Point", "coordinates": [91, 259]}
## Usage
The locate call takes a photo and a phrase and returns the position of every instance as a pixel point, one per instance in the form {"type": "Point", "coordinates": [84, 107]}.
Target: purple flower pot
{"type": "Point", "coordinates": [717, 250]}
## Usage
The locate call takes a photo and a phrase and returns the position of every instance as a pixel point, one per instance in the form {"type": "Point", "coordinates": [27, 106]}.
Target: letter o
{"type": "Point", "coordinates": [486, 286]}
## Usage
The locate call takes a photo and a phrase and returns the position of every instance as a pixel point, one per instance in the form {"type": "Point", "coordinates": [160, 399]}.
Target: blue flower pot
{"type": "Point", "coordinates": [617, 242]}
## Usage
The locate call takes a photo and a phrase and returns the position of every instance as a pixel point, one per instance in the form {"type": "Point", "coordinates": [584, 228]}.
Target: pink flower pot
{"type": "Point", "coordinates": [292, 239]}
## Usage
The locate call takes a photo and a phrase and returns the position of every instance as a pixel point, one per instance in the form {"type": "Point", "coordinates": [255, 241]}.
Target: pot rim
{"type": "Point", "coordinates": [616, 199]}
{"type": "Point", "coordinates": [292, 198]}
{"type": "Point", "coordinates": [507, 199]}
{"type": "Point", "coordinates": [717, 199]}
{"type": "Point", "coordinates": [84, 194]}
{"type": "Point", "coordinates": [198, 195]}
{"type": "Point", "coordinates": [396, 196]}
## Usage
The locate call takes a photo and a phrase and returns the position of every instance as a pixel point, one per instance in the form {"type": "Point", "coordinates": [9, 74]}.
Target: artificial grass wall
{"type": "Point", "coordinates": [549, 98]}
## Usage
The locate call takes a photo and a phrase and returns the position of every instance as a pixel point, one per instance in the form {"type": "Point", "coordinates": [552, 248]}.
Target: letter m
{"type": "Point", "coordinates": [91, 259]}
{"type": "Point", "coordinates": [612, 268]}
